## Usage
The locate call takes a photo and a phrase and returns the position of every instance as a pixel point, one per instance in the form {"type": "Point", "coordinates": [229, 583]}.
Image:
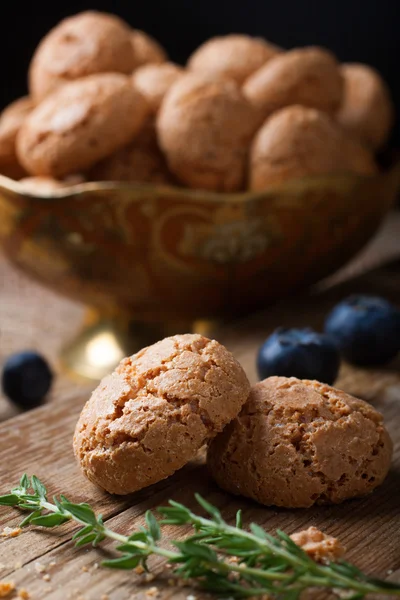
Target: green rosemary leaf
{"type": "Point", "coordinates": [51, 520]}
{"type": "Point", "coordinates": [30, 506]}
{"type": "Point", "coordinates": [138, 536]}
{"type": "Point", "coordinates": [82, 532]}
{"type": "Point", "coordinates": [176, 512]}
{"type": "Point", "coordinates": [38, 487]}
{"type": "Point", "coordinates": [153, 526]}
{"type": "Point", "coordinates": [9, 500]}
{"type": "Point", "coordinates": [125, 562]}
{"type": "Point", "coordinates": [192, 549]}
{"type": "Point", "coordinates": [212, 510]}
{"type": "Point", "coordinates": [98, 539]}
{"type": "Point", "coordinates": [58, 504]}
{"type": "Point", "coordinates": [130, 549]}
{"type": "Point", "coordinates": [258, 531]}
{"type": "Point", "coordinates": [383, 585]}
{"type": "Point", "coordinates": [30, 498]}
{"type": "Point", "coordinates": [239, 522]}
{"type": "Point", "coordinates": [82, 512]}
{"type": "Point", "coordinates": [87, 539]}
{"type": "Point", "coordinates": [29, 518]}
{"type": "Point", "coordinates": [24, 482]}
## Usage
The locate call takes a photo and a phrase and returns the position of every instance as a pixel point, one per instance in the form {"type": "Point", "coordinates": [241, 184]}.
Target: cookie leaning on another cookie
{"type": "Point", "coordinates": [146, 49]}
{"type": "Point", "coordinates": [80, 124]}
{"type": "Point", "coordinates": [11, 121]}
{"type": "Point", "coordinates": [139, 161]}
{"type": "Point", "coordinates": [367, 111]}
{"type": "Point", "coordinates": [306, 76]}
{"type": "Point", "coordinates": [234, 56]}
{"type": "Point", "coordinates": [154, 81]}
{"type": "Point", "coordinates": [298, 443]}
{"type": "Point", "coordinates": [156, 410]}
{"type": "Point", "coordinates": [204, 129]}
{"type": "Point", "coordinates": [297, 142]}
{"type": "Point", "coordinates": [87, 43]}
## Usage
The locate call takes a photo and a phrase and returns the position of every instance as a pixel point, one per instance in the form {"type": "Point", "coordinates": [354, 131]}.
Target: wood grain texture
{"type": "Point", "coordinates": [40, 442]}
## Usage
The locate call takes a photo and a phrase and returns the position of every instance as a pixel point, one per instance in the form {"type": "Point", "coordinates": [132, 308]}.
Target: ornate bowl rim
{"type": "Point", "coordinates": [294, 185]}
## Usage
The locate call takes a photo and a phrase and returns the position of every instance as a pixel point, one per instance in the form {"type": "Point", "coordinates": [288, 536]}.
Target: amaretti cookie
{"type": "Point", "coordinates": [139, 161]}
{"type": "Point", "coordinates": [298, 142]}
{"type": "Point", "coordinates": [367, 110]}
{"type": "Point", "coordinates": [153, 81]}
{"type": "Point", "coordinates": [156, 410]}
{"type": "Point", "coordinates": [87, 43]}
{"type": "Point", "coordinates": [234, 56]}
{"type": "Point", "coordinates": [205, 129]}
{"type": "Point", "coordinates": [306, 76]}
{"type": "Point", "coordinates": [11, 120]}
{"type": "Point", "coordinates": [298, 443]}
{"type": "Point", "coordinates": [146, 49]}
{"type": "Point", "coordinates": [80, 124]}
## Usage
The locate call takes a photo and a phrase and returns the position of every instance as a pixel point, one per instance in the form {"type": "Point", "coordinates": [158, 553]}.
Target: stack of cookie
{"type": "Point", "coordinates": [106, 105]}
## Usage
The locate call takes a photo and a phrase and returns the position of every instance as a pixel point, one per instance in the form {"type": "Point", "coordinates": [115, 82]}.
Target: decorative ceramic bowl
{"type": "Point", "coordinates": [158, 253]}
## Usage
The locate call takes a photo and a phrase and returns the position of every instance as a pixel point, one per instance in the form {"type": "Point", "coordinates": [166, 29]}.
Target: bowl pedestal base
{"type": "Point", "coordinates": [104, 341]}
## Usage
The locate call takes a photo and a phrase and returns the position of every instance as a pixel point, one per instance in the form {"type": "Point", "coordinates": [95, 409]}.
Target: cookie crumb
{"type": "Point", "coordinates": [52, 564]}
{"type": "Point", "coordinates": [84, 569]}
{"type": "Point", "coordinates": [11, 532]}
{"type": "Point", "coordinates": [319, 546]}
{"type": "Point", "coordinates": [6, 588]}
{"type": "Point", "coordinates": [153, 591]}
{"type": "Point", "coordinates": [40, 568]}
{"type": "Point", "coordinates": [23, 594]}
{"type": "Point", "coordinates": [46, 577]}
{"type": "Point", "coordinates": [139, 570]}
{"type": "Point", "coordinates": [148, 577]}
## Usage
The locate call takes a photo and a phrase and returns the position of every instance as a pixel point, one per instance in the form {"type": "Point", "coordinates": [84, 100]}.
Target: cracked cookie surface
{"type": "Point", "coordinates": [298, 443]}
{"type": "Point", "coordinates": [156, 410]}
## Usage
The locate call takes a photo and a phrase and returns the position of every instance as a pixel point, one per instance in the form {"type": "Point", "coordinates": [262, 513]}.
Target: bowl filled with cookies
{"type": "Point", "coordinates": [164, 194]}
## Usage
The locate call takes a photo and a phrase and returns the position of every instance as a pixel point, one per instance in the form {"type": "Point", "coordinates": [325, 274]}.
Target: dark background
{"type": "Point", "coordinates": [356, 30]}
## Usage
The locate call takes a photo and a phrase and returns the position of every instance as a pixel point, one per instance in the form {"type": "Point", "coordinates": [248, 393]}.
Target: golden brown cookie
{"type": "Point", "coordinates": [205, 129]}
{"type": "Point", "coordinates": [299, 142]}
{"type": "Point", "coordinates": [89, 42]}
{"type": "Point", "coordinates": [79, 124]}
{"type": "Point", "coordinates": [306, 76]}
{"type": "Point", "coordinates": [367, 111]}
{"type": "Point", "coordinates": [298, 443]}
{"type": "Point", "coordinates": [146, 49]}
{"type": "Point", "coordinates": [11, 120]}
{"type": "Point", "coordinates": [156, 410]}
{"type": "Point", "coordinates": [233, 56]}
{"type": "Point", "coordinates": [154, 81]}
{"type": "Point", "coordinates": [139, 161]}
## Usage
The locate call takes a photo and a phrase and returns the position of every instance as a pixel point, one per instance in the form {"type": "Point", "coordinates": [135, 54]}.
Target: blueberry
{"type": "Point", "coordinates": [365, 329]}
{"type": "Point", "coordinates": [26, 379]}
{"type": "Point", "coordinates": [301, 353]}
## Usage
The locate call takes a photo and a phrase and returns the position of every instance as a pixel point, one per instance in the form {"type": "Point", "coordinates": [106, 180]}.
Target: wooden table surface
{"type": "Point", "coordinates": [45, 563]}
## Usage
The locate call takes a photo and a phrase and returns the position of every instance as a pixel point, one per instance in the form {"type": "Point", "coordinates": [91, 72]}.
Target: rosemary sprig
{"type": "Point", "coordinates": [222, 558]}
